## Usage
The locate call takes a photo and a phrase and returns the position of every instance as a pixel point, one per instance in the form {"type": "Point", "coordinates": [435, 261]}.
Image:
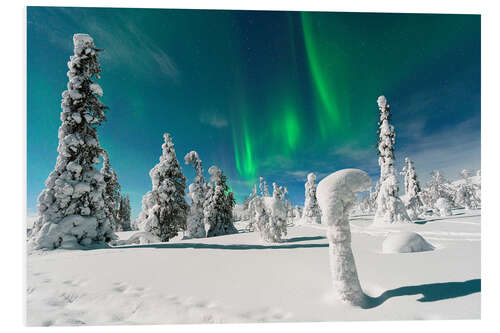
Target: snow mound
{"type": "Point", "coordinates": [405, 242]}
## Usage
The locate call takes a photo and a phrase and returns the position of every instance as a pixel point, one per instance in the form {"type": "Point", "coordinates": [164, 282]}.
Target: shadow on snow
{"type": "Point", "coordinates": [424, 221]}
{"type": "Point", "coordinates": [284, 245]}
{"type": "Point", "coordinates": [430, 292]}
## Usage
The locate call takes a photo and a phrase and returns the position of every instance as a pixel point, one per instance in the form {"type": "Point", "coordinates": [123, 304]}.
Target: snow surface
{"type": "Point", "coordinates": [222, 279]}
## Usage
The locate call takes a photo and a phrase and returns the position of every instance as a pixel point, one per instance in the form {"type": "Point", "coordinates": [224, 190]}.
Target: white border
{"type": "Point", "coordinates": [13, 160]}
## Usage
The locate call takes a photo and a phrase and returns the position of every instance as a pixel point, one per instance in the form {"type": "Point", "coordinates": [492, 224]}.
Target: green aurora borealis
{"type": "Point", "coordinates": [258, 93]}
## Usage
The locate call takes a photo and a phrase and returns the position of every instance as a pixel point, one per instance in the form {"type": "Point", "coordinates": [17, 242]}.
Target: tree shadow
{"type": "Point", "coordinates": [221, 246]}
{"type": "Point", "coordinates": [455, 216]}
{"type": "Point", "coordinates": [430, 292]}
{"type": "Point", "coordinates": [304, 239]}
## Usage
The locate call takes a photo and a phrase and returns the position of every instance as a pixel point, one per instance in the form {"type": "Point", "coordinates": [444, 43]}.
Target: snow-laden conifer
{"type": "Point", "coordinates": [219, 203]}
{"type": "Point", "coordinates": [466, 192]}
{"type": "Point", "coordinates": [111, 195]}
{"type": "Point", "coordinates": [164, 208]}
{"type": "Point", "coordinates": [197, 192]}
{"type": "Point", "coordinates": [264, 190]}
{"type": "Point", "coordinates": [444, 207]}
{"type": "Point", "coordinates": [437, 187]}
{"type": "Point", "coordinates": [124, 213]}
{"type": "Point", "coordinates": [71, 208]}
{"type": "Point", "coordinates": [246, 203]}
{"type": "Point", "coordinates": [311, 213]}
{"type": "Point", "coordinates": [414, 204]}
{"type": "Point", "coordinates": [390, 208]}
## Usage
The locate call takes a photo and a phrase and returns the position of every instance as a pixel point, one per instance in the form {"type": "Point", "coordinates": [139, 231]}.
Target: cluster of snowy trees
{"type": "Point", "coordinates": [437, 198]}
{"type": "Point", "coordinates": [84, 206]}
{"type": "Point", "coordinates": [268, 215]}
{"type": "Point", "coordinates": [165, 211]}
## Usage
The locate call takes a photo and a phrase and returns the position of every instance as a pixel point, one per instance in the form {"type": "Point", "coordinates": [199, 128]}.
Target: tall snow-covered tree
{"type": "Point", "coordinates": [218, 210]}
{"type": "Point", "coordinates": [124, 213]}
{"type": "Point", "coordinates": [71, 209]}
{"type": "Point", "coordinates": [197, 192]}
{"type": "Point", "coordinates": [390, 208]}
{"type": "Point", "coordinates": [311, 213]}
{"type": "Point", "coordinates": [164, 208]}
{"type": "Point", "coordinates": [414, 204]}
{"type": "Point", "coordinates": [111, 192]}
{"type": "Point", "coordinates": [264, 190]}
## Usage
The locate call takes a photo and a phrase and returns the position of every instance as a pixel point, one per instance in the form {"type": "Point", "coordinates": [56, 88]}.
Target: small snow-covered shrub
{"type": "Point", "coordinates": [405, 242]}
{"type": "Point", "coordinates": [444, 207]}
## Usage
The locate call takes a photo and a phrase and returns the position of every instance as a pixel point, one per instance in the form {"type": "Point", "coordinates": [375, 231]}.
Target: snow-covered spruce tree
{"type": "Point", "coordinates": [164, 208]}
{"type": "Point", "coordinates": [71, 208]}
{"type": "Point", "coordinates": [246, 203]}
{"type": "Point", "coordinates": [197, 192]}
{"type": "Point", "coordinates": [437, 187]}
{"type": "Point", "coordinates": [466, 192]}
{"type": "Point", "coordinates": [390, 208]}
{"type": "Point", "coordinates": [283, 196]}
{"type": "Point", "coordinates": [297, 214]}
{"type": "Point", "coordinates": [372, 199]}
{"type": "Point", "coordinates": [444, 207]}
{"type": "Point", "coordinates": [124, 213]}
{"type": "Point", "coordinates": [414, 205]}
{"type": "Point", "coordinates": [111, 195]}
{"type": "Point", "coordinates": [336, 197]}
{"type": "Point", "coordinates": [218, 209]}
{"type": "Point", "coordinates": [311, 213]}
{"type": "Point", "coordinates": [264, 190]}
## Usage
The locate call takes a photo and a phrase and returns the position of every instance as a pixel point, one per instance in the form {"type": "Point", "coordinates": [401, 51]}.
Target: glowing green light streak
{"type": "Point", "coordinates": [291, 128]}
{"type": "Point", "coordinates": [320, 80]}
{"type": "Point", "coordinates": [244, 159]}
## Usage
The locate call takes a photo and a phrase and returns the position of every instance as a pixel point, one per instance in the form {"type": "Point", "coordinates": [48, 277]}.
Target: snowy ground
{"type": "Point", "coordinates": [237, 278]}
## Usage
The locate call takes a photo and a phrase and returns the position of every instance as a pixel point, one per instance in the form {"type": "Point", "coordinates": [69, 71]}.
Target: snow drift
{"type": "Point", "coordinates": [405, 242]}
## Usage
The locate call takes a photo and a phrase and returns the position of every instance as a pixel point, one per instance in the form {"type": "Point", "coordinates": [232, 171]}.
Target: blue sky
{"type": "Point", "coordinates": [277, 94]}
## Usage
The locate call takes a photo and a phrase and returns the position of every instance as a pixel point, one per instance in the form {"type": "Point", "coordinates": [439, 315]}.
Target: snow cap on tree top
{"type": "Point", "coordinates": [214, 173]}
{"type": "Point", "coordinates": [311, 177]}
{"type": "Point", "coordinates": [381, 101]}
{"type": "Point", "coordinates": [168, 147]}
{"type": "Point", "coordinates": [82, 41]}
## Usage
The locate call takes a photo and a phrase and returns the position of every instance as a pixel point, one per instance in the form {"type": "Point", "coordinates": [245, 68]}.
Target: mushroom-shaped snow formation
{"type": "Point", "coordinates": [336, 196]}
{"type": "Point", "coordinates": [405, 242]}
